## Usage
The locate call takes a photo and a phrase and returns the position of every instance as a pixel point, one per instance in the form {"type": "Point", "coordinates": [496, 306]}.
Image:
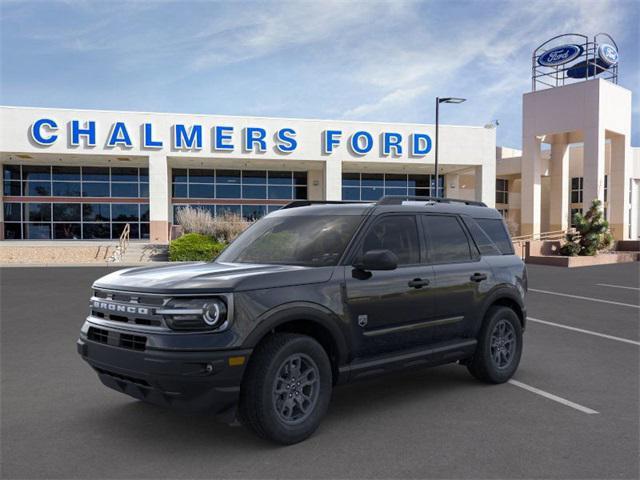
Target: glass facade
{"type": "Point", "coordinates": [78, 202]}
{"type": "Point", "coordinates": [373, 186]}
{"type": "Point", "coordinates": [257, 192]}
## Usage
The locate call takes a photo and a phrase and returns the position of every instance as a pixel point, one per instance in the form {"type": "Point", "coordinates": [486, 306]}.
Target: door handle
{"type": "Point", "coordinates": [418, 283]}
{"type": "Point", "coordinates": [478, 277]}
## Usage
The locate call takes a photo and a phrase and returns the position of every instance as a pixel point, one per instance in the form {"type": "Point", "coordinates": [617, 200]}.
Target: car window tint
{"type": "Point", "coordinates": [447, 240]}
{"type": "Point", "coordinates": [396, 233]}
{"type": "Point", "coordinates": [484, 243]}
{"type": "Point", "coordinates": [494, 227]}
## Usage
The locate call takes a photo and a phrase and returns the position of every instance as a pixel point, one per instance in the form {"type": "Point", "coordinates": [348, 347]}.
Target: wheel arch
{"type": "Point", "coordinates": [506, 298]}
{"type": "Point", "coordinates": [313, 320]}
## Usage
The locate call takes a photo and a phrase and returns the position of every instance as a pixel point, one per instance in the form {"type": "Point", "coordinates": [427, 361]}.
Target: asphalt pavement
{"type": "Point", "coordinates": [572, 411]}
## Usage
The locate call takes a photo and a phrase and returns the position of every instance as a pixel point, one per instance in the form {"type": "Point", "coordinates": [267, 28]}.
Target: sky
{"type": "Point", "coordinates": [344, 60]}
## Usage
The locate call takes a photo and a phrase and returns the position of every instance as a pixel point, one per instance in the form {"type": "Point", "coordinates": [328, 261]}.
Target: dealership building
{"type": "Point", "coordinates": [86, 174]}
{"type": "Point", "coordinates": [83, 174]}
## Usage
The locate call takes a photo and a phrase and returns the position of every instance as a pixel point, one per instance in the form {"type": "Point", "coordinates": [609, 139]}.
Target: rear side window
{"type": "Point", "coordinates": [447, 241]}
{"type": "Point", "coordinates": [484, 243]}
{"type": "Point", "coordinates": [494, 227]}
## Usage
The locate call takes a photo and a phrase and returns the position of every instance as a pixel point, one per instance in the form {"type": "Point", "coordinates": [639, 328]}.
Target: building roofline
{"type": "Point", "coordinates": [18, 107]}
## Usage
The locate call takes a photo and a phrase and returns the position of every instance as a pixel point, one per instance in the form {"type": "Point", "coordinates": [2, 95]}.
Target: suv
{"type": "Point", "coordinates": [311, 296]}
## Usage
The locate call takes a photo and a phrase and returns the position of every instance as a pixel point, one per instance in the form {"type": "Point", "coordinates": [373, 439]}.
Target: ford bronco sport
{"type": "Point", "coordinates": [308, 297]}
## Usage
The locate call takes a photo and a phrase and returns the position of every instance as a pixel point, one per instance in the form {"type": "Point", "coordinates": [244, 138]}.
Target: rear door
{"type": "Point", "coordinates": [461, 276]}
{"type": "Point", "coordinates": [389, 308]}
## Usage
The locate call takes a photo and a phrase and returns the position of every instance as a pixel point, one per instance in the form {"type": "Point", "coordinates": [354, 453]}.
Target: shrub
{"type": "Point", "coordinates": [591, 235]}
{"type": "Point", "coordinates": [194, 247]}
{"type": "Point", "coordinates": [223, 228]}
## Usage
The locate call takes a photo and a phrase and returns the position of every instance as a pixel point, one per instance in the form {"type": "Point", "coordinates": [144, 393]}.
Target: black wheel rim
{"type": "Point", "coordinates": [296, 389]}
{"type": "Point", "coordinates": [503, 344]}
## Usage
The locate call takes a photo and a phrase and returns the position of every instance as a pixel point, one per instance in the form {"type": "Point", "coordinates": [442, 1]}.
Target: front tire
{"type": "Point", "coordinates": [286, 389]}
{"type": "Point", "coordinates": [499, 346]}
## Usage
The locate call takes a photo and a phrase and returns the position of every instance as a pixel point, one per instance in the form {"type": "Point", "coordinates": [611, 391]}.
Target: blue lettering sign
{"type": "Point", "coordinates": [119, 136]}
{"type": "Point", "coordinates": [89, 131]}
{"type": "Point", "coordinates": [420, 144]}
{"type": "Point", "coordinates": [255, 136]}
{"type": "Point", "coordinates": [186, 139]}
{"type": "Point", "coordinates": [359, 147]}
{"type": "Point", "coordinates": [391, 140]}
{"type": "Point", "coordinates": [147, 137]}
{"type": "Point", "coordinates": [37, 134]}
{"type": "Point", "coordinates": [286, 140]}
{"type": "Point", "coordinates": [221, 137]}
{"type": "Point", "coordinates": [331, 139]}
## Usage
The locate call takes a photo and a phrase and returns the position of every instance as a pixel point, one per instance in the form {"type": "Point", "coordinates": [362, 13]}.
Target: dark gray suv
{"type": "Point", "coordinates": [311, 296]}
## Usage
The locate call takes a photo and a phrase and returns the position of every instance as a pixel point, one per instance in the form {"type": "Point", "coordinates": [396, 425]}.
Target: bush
{"type": "Point", "coordinates": [591, 235]}
{"type": "Point", "coordinates": [194, 247]}
{"type": "Point", "coordinates": [223, 228]}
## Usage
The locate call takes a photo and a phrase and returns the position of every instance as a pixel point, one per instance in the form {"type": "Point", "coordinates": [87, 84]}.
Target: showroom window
{"type": "Point", "coordinates": [81, 202]}
{"type": "Point", "coordinates": [74, 221]}
{"type": "Point", "coordinates": [63, 181]}
{"type": "Point", "coordinates": [373, 186]}
{"type": "Point", "coordinates": [258, 191]}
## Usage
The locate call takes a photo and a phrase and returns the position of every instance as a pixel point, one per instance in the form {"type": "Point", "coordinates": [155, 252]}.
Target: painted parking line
{"type": "Point", "coordinates": [553, 397]}
{"type": "Point", "coordinates": [600, 300]}
{"type": "Point", "coordinates": [581, 330]}
{"type": "Point", "coordinates": [617, 286]}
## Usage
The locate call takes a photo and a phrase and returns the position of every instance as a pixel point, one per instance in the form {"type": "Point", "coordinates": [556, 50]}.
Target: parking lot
{"type": "Point", "coordinates": [571, 411]}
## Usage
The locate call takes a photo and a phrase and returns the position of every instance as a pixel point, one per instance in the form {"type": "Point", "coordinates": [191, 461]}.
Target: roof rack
{"type": "Point", "coordinates": [306, 203]}
{"type": "Point", "coordinates": [398, 199]}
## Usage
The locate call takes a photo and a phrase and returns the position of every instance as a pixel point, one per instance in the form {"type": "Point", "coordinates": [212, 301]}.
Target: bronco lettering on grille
{"type": "Point", "coordinates": [116, 307]}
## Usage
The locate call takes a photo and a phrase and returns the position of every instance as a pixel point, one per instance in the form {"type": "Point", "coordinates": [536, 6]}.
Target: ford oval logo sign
{"type": "Point", "coordinates": [608, 54]}
{"type": "Point", "coordinates": [560, 55]}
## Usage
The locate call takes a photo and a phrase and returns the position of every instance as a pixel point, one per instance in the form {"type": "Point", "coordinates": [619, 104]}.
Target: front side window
{"type": "Point", "coordinates": [311, 241]}
{"type": "Point", "coordinates": [397, 233]}
{"type": "Point", "coordinates": [447, 241]}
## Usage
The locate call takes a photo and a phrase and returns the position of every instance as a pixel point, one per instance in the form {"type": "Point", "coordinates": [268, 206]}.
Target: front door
{"type": "Point", "coordinates": [388, 308]}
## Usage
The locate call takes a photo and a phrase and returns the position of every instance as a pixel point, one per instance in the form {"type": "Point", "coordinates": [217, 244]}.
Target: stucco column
{"type": "Point", "coordinates": [332, 179]}
{"type": "Point", "coordinates": [559, 196]}
{"type": "Point", "coordinates": [159, 198]}
{"type": "Point", "coordinates": [531, 186]}
{"type": "Point", "coordinates": [618, 188]}
{"type": "Point", "coordinates": [593, 167]}
{"type": "Point", "coordinates": [485, 184]}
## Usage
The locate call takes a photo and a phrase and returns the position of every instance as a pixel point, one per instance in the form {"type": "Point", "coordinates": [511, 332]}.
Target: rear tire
{"type": "Point", "coordinates": [286, 389]}
{"type": "Point", "coordinates": [499, 346]}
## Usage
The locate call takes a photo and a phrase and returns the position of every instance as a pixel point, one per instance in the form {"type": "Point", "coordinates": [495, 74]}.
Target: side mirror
{"type": "Point", "coordinates": [377, 260]}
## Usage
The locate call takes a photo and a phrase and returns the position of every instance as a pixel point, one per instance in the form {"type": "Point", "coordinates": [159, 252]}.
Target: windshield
{"type": "Point", "coordinates": [312, 241]}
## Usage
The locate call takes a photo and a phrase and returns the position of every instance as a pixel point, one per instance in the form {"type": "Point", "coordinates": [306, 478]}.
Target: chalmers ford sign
{"type": "Point", "coordinates": [222, 138]}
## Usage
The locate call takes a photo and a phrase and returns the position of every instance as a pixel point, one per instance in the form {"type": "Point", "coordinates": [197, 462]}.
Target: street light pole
{"type": "Point", "coordinates": [438, 102]}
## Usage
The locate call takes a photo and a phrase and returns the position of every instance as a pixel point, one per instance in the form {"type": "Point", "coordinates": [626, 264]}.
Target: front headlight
{"type": "Point", "coordinates": [195, 314]}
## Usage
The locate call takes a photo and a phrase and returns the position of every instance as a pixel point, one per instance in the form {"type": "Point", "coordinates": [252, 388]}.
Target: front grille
{"type": "Point", "coordinates": [122, 340]}
{"type": "Point", "coordinates": [128, 308]}
{"type": "Point", "coordinates": [98, 335]}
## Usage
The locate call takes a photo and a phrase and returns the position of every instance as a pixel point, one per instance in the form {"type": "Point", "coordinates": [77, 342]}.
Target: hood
{"type": "Point", "coordinates": [205, 277]}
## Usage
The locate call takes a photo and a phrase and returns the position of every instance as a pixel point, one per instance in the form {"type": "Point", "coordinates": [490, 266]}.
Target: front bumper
{"type": "Point", "coordinates": [193, 380]}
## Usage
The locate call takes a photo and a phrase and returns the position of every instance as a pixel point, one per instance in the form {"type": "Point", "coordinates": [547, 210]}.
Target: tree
{"type": "Point", "coordinates": [591, 235]}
